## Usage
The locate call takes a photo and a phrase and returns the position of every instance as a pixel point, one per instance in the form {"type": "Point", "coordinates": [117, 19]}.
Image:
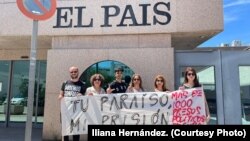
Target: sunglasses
{"type": "Point", "coordinates": [191, 74]}
{"type": "Point", "coordinates": [97, 79]}
{"type": "Point", "coordinates": [136, 79]}
{"type": "Point", "coordinates": [74, 72]}
{"type": "Point", "coordinates": [159, 80]}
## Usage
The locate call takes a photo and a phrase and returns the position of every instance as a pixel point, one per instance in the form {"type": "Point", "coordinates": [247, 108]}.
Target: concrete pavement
{"type": "Point", "coordinates": [18, 134]}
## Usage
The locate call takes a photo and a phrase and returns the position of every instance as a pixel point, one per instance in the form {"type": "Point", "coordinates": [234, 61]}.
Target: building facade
{"type": "Point", "coordinates": [147, 36]}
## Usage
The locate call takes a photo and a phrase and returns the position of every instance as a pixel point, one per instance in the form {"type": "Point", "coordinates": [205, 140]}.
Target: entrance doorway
{"type": "Point", "coordinates": [14, 92]}
{"type": "Point", "coordinates": [225, 76]}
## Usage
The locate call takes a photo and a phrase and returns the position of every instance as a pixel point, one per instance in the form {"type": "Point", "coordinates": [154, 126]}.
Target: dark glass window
{"type": "Point", "coordinates": [106, 68]}
{"type": "Point", "coordinates": [245, 93]}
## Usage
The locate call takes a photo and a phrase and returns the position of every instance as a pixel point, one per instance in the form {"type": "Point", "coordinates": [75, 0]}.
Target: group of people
{"type": "Point", "coordinates": [75, 87]}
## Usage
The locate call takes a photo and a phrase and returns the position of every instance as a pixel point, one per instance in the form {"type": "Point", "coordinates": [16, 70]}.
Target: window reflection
{"type": "Point", "coordinates": [106, 68]}
{"type": "Point", "coordinates": [19, 90]}
{"type": "Point", "coordinates": [4, 77]}
{"type": "Point", "coordinates": [40, 91]}
{"type": "Point", "coordinates": [244, 72]}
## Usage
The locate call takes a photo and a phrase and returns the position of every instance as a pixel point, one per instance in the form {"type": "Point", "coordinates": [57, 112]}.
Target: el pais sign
{"type": "Point", "coordinates": [119, 14]}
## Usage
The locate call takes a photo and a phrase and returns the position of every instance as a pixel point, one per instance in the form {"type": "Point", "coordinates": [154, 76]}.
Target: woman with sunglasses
{"type": "Point", "coordinates": [135, 85]}
{"type": "Point", "coordinates": [160, 84]}
{"type": "Point", "coordinates": [191, 81]}
{"type": "Point", "coordinates": [96, 81]}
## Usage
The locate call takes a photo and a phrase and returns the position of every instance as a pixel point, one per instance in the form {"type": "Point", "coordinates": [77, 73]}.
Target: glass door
{"type": "Point", "coordinates": [14, 79]}
{"type": "Point", "coordinates": [19, 91]}
{"type": "Point", "coordinates": [4, 88]}
{"type": "Point", "coordinates": [245, 93]}
{"type": "Point", "coordinates": [236, 76]}
{"type": "Point", "coordinates": [225, 75]}
{"type": "Point", "coordinates": [39, 98]}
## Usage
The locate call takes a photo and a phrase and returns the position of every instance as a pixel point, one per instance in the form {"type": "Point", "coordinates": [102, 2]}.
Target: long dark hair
{"type": "Point", "coordinates": [196, 81]}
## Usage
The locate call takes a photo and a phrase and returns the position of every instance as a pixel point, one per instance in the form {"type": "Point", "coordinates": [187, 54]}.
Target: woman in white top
{"type": "Point", "coordinates": [96, 81]}
{"type": "Point", "coordinates": [135, 85]}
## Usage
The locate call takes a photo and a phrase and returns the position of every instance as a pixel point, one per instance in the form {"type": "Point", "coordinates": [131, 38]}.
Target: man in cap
{"type": "Point", "coordinates": [117, 86]}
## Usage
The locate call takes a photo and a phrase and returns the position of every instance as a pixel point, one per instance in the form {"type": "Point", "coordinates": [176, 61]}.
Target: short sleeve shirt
{"type": "Point", "coordinates": [120, 87]}
{"type": "Point", "coordinates": [71, 89]}
{"type": "Point", "coordinates": [93, 91]}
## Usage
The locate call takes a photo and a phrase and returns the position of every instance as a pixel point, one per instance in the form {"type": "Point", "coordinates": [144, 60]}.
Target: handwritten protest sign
{"type": "Point", "coordinates": [148, 108]}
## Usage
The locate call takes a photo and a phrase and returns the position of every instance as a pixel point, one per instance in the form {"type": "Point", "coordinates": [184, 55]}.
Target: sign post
{"type": "Point", "coordinates": [36, 10]}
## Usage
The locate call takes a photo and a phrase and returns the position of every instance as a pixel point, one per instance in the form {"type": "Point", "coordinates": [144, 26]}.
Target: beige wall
{"type": "Point", "coordinates": [187, 16]}
{"type": "Point", "coordinates": [112, 41]}
{"type": "Point", "coordinates": [16, 54]}
{"type": "Point", "coordinates": [192, 23]}
{"type": "Point", "coordinates": [147, 50]}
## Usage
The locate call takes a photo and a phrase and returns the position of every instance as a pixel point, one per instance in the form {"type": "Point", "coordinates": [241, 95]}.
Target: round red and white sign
{"type": "Point", "coordinates": [37, 9]}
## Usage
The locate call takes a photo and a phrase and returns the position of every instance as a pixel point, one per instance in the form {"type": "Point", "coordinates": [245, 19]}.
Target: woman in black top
{"type": "Point", "coordinates": [191, 80]}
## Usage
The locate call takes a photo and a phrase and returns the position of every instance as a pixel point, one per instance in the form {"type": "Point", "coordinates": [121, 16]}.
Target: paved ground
{"type": "Point", "coordinates": [18, 134]}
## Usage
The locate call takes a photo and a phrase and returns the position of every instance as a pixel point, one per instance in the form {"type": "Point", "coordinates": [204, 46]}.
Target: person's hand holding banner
{"type": "Point", "coordinates": [149, 108]}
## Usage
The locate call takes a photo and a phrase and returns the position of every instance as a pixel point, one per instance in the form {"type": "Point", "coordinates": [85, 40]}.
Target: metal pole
{"type": "Point", "coordinates": [32, 70]}
{"type": "Point", "coordinates": [9, 94]}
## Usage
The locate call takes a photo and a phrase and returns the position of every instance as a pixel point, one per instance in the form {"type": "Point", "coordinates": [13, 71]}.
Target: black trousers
{"type": "Point", "coordinates": [75, 138]}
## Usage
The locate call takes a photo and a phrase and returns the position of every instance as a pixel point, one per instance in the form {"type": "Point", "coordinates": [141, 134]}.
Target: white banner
{"type": "Point", "coordinates": [148, 108]}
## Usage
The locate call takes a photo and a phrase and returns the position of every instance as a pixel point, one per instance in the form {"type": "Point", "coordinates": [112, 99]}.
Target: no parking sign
{"type": "Point", "coordinates": [37, 9]}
